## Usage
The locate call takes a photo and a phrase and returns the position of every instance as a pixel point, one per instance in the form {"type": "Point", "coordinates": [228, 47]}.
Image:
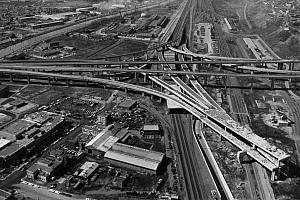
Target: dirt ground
{"type": "Point", "coordinates": [255, 17]}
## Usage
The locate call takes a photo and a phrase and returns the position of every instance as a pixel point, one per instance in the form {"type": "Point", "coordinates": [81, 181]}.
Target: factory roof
{"type": "Point", "coordinates": [39, 117]}
{"type": "Point", "coordinates": [10, 149]}
{"type": "Point", "coordinates": [96, 141]}
{"type": "Point", "coordinates": [3, 143]}
{"type": "Point", "coordinates": [134, 155]}
{"type": "Point", "coordinates": [18, 127]}
{"type": "Point", "coordinates": [88, 168]}
{"type": "Point", "coordinates": [151, 127]}
{"type": "Point", "coordinates": [128, 103]}
{"type": "Point", "coordinates": [107, 143]}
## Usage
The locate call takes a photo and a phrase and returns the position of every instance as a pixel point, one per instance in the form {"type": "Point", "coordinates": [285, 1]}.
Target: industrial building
{"type": "Point", "coordinates": [104, 119]}
{"type": "Point", "coordinates": [134, 158]}
{"type": "Point", "coordinates": [16, 130]}
{"type": "Point", "coordinates": [93, 130]}
{"type": "Point", "coordinates": [128, 104]}
{"type": "Point", "coordinates": [45, 25]}
{"type": "Point", "coordinates": [28, 136]}
{"type": "Point", "coordinates": [104, 140]}
{"type": "Point", "coordinates": [45, 168]}
{"type": "Point", "coordinates": [87, 169]}
{"type": "Point", "coordinates": [4, 90]}
{"type": "Point", "coordinates": [151, 131]}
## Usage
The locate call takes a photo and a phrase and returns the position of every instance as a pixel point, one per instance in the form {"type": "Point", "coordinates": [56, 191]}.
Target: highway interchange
{"type": "Point", "coordinates": [197, 173]}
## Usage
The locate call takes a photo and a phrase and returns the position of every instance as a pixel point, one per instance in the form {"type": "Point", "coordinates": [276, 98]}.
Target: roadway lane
{"type": "Point", "coordinates": [196, 178]}
{"type": "Point", "coordinates": [43, 193]}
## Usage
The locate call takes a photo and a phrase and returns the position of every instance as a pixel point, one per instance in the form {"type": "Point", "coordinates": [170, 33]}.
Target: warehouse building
{"type": "Point", "coordinates": [134, 158]}
{"type": "Point", "coordinates": [104, 119]}
{"type": "Point", "coordinates": [45, 168]}
{"type": "Point", "coordinates": [102, 142]}
{"type": "Point", "coordinates": [151, 131]}
{"type": "Point", "coordinates": [4, 91]}
{"type": "Point", "coordinates": [16, 130]}
{"type": "Point", "coordinates": [87, 170]}
{"type": "Point", "coordinates": [128, 104]}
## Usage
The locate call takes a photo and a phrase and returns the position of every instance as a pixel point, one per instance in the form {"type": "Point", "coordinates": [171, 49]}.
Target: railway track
{"type": "Point", "coordinates": [193, 178]}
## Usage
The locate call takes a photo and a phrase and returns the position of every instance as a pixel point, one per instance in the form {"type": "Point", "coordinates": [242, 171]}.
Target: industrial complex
{"type": "Point", "coordinates": [191, 100]}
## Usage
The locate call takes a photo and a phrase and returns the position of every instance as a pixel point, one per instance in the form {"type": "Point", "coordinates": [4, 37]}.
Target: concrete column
{"type": "Point", "coordinates": [240, 156]}
{"type": "Point", "coordinates": [220, 67]}
{"type": "Point", "coordinates": [10, 78]}
{"type": "Point", "coordinates": [275, 175]}
{"type": "Point", "coordinates": [49, 80]}
{"type": "Point", "coordinates": [68, 82]}
{"type": "Point", "coordinates": [205, 80]}
{"type": "Point", "coordinates": [147, 57]}
{"type": "Point", "coordinates": [219, 138]}
{"type": "Point", "coordinates": [145, 78]}
{"type": "Point", "coordinates": [159, 99]}
{"type": "Point", "coordinates": [28, 79]}
{"type": "Point", "coordinates": [272, 84]}
{"type": "Point", "coordinates": [136, 77]}
{"type": "Point", "coordinates": [152, 84]}
{"type": "Point", "coordinates": [126, 90]}
{"type": "Point", "coordinates": [251, 84]}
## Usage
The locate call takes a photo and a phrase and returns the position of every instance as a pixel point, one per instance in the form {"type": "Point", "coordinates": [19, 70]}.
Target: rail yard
{"type": "Point", "coordinates": [150, 99]}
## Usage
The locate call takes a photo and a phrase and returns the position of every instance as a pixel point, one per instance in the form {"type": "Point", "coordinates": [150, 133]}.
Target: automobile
{"type": "Point", "coordinates": [53, 185]}
{"type": "Point", "coordinates": [51, 190]}
{"type": "Point", "coordinates": [57, 192]}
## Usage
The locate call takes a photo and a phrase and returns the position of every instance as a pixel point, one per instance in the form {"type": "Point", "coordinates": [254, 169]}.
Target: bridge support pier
{"type": "Point", "coordinates": [136, 77]}
{"type": "Point", "coordinates": [240, 156]}
{"type": "Point", "coordinates": [28, 79]}
{"type": "Point", "coordinates": [275, 175]}
{"type": "Point", "coordinates": [205, 80]}
{"type": "Point", "coordinates": [49, 80]}
{"type": "Point", "coordinates": [147, 57]}
{"type": "Point", "coordinates": [272, 84]}
{"type": "Point", "coordinates": [145, 78]}
{"type": "Point", "coordinates": [10, 78]}
{"type": "Point", "coordinates": [291, 66]}
{"type": "Point", "coordinates": [68, 82]}
{"type": "Point", "coordinates": [220, 67]}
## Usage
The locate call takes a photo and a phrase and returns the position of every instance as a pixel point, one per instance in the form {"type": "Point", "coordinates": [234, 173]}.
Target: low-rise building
{"type": "Point", "coordinates": [4, 91]}
{"type": "Point", "coordinates": [128, 104]}
{"type": "Point", "coordinates": [45, 168]}
{"type": "Point", "coordinates": [93, 130]}
{"type": "Point", "coordinates": [104, 119]}
{"type": "Point", "coordinates": [16, 130]}
{"type": "Point", "coordinates": [87, 170]}
{"type": "Point", "coordinates": [134, 158]}
{"type": "Point", "coordinates": [151, 131]}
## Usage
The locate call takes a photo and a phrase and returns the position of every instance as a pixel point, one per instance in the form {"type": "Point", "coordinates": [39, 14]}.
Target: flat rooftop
{"type": "Point", "coordinates": [135, 156]}
{"type": "Point", "coordinates": [3, 143]}
{"type": "Point", "coordinates": [127, 103]}
{"type": "Point", "coordinates": [18, 127]}
{"type": "Point", "coordinates": [10, 149]}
